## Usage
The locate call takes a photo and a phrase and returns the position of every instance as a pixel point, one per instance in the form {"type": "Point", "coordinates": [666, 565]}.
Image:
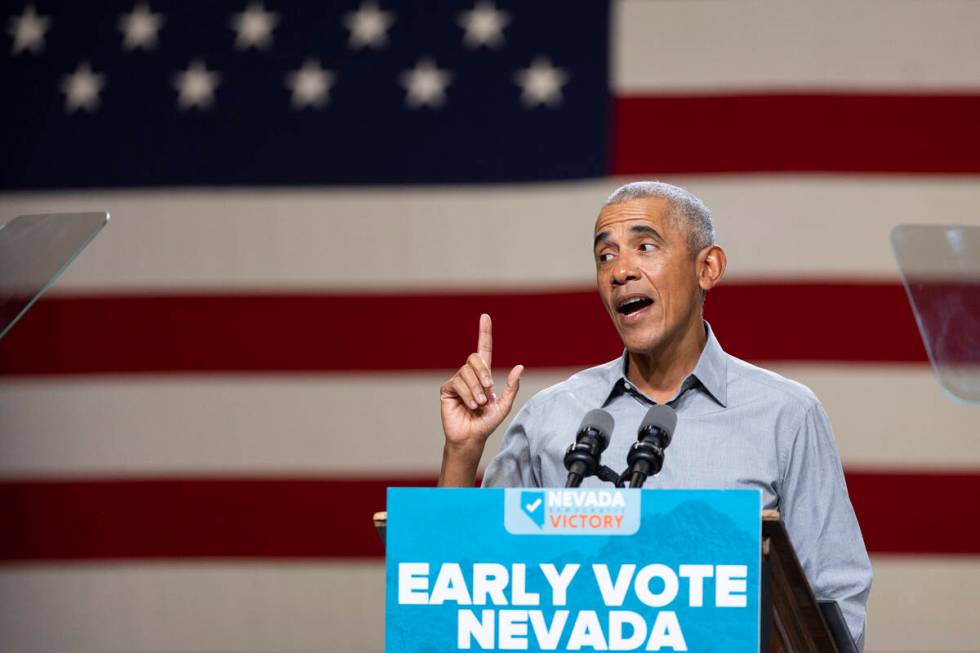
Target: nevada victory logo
{"type": "Point", "coordinates": [571, 512]}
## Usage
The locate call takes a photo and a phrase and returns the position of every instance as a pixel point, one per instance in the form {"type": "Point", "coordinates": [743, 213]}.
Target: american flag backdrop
{"type": "Point", "coordinates": [312, 204]}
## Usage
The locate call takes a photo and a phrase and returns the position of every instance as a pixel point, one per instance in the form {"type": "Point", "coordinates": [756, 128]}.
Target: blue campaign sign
{"type": "Point", "coordinates": [585, 569]}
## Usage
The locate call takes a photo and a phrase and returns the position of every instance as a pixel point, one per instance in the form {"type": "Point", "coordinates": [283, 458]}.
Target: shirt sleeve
{"type": "Point", "coordinates": [820, 520]}
{"type": "Point", "coordinates": [512, 466]}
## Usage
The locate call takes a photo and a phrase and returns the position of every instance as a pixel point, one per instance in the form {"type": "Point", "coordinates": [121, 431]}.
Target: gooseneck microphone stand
{"type": "Point", "coordinates": [582, 458]}
{"type": "Point", "coordinates": [646, 456]}
{"type": "Point", "coordinates": [644, 459]}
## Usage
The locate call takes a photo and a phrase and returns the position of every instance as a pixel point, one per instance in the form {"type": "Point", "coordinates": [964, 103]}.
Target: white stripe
{"type": "Point", "coordinates": [921, 603]}
{"type": "Point", "coordinates": [486, 237]}
{"type": "Point", "coordinates": [144, 608]}
{"type": "Point", "coordinates": [708, 46]}
{"type": "Point", "coordinates": [884, 417]}
{"type": "Point", "coordinates": [917, 604]}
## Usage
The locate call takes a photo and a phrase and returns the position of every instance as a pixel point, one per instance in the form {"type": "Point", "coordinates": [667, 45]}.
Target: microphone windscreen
{"type": "Point", "coordinates": [599, 420]}
{"type": "Point", "coordinates": [662, 417]}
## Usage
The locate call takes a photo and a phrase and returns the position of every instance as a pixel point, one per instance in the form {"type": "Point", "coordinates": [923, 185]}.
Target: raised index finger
{"type": "Point", "coordinates": [484, 346]}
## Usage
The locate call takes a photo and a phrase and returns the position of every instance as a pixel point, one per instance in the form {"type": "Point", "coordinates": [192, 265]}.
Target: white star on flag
{"type": "Point", "coordinates": [82, 88]}
{"type": "Point", "coordinates": [484, 25]}
{"type": "Point", "coordinates": [28, 30]}
{"type": "Point", "coordinates": [254, 27]}
{"type": "Point", "coordinates": [368, 26]}
{"type": "Point", "coordinates": [140, 27]}
{"type": "Point", "coordinates": [196, 86]}
{"type": "Point", "coordinates": [426, 84]}
{"type": "Point", "coordinates": [541, 83]}
{"type": "Point", "coordinates": [310, 85]}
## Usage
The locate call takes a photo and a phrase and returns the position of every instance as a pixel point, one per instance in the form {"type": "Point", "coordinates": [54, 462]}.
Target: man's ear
{"type": "Point", "coordinates": [711, 264]}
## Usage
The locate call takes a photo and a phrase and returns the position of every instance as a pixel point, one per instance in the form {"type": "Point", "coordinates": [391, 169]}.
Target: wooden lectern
{"type": "Point", "coordinates": [795, 622]}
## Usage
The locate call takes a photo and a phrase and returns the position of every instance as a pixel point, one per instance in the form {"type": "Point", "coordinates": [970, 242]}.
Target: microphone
{"type": "Point", "coordinates": [646, 455]}
{"type": "Point", "coordinates": [582, 456]}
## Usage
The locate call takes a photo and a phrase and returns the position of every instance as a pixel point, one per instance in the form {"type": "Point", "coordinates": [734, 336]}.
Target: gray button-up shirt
{"type": "Point", "coordinates": [738, 426]}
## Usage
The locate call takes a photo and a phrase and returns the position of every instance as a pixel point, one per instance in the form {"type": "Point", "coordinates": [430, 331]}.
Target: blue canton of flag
{"type": "Point", "coordinates": [237, 92]}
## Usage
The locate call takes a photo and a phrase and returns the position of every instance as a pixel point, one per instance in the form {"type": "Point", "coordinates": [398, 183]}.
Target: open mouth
{"type": "Point", "coordinates": [631, 305]}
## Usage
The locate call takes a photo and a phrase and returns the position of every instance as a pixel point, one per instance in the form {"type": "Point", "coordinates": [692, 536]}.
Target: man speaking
{"type": "Point", "coordinates": [738, 425]}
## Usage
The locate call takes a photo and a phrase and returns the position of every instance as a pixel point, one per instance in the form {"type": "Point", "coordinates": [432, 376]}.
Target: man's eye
{"type": "Point", "coordinates": [605, 256]}
{"type": "Point", "coordinates": [648, 247]}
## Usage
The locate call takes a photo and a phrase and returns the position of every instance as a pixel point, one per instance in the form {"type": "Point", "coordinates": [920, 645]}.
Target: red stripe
{"type": "Point", "coordinates": [827, 132]}
{"type": "Point", "coordinates": [322, 333]}
{"type": "Point", "coordinates": [904, 512]}
{"type": "Point", "coordinates": [315, 518]}
{"type": "Point", "coordinates": [191, 518]}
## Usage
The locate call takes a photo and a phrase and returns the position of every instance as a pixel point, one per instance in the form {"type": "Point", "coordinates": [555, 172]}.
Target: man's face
{"type": "Point", "coordinates": [647, 276]}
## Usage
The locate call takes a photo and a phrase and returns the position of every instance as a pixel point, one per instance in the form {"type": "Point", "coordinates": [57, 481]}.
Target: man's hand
{"type": "Point", "coordinates": [471, 410]}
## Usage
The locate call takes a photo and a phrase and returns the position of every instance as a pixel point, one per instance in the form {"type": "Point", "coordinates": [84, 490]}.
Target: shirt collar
{"type": "Point", "coordinates": [711, 372]}
{"type": "Point", "coordinates": [712, 368]}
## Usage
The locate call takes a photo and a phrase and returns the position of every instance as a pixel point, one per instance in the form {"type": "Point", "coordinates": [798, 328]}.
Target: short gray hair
{"type": "Point", "coordinates": [687, 207]}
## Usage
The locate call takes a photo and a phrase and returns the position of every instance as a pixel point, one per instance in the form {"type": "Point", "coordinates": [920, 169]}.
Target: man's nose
{"type": "Point", "coordinates": [624, 271]}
